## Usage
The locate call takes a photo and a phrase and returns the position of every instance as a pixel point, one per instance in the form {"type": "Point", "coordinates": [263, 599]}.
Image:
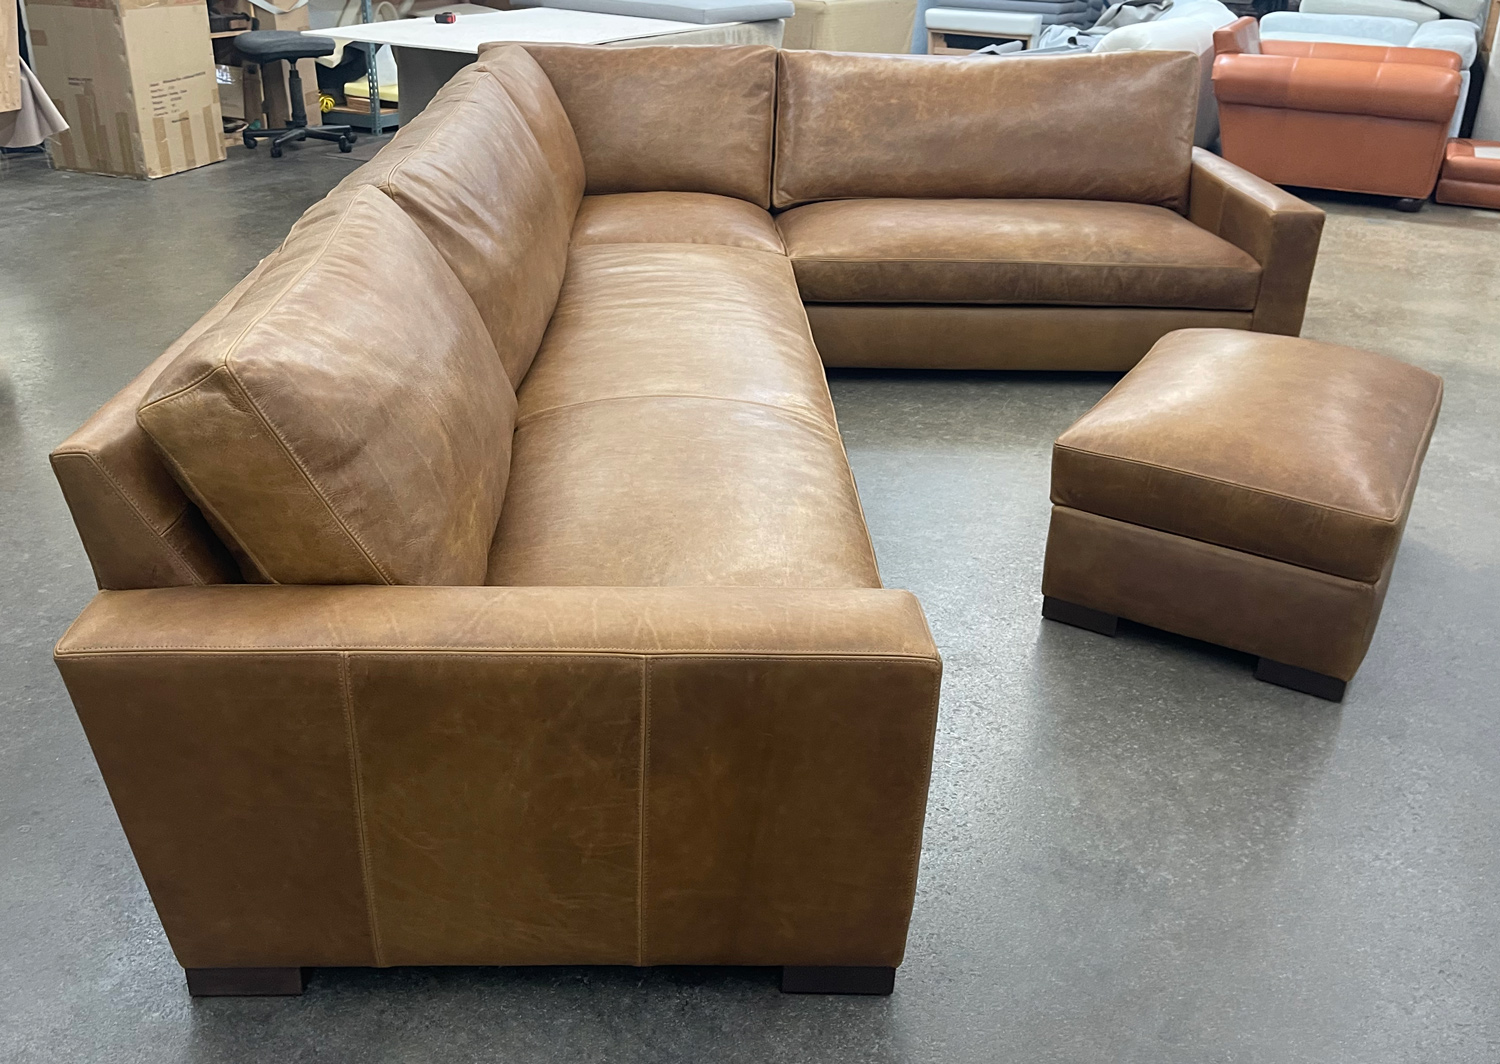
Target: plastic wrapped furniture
{"type": "Point", "coordinates": [1339, 116]}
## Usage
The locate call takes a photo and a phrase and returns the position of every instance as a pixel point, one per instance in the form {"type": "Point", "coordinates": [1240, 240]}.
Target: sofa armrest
{"type": "Point", "coordinates": [424, 775]}
{"type": "Point", "coordinates": [1275, 228]}
{"type": "Point", "coordinates": [1422, 86]}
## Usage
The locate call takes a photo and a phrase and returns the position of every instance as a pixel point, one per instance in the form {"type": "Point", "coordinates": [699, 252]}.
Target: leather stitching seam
{"type": "Point", "coordinates": [955, 260]}
{"type": "Point", "coordinates": [916, 854]}
{"type": "Point", "coordinates": [643, 832]}
{"type": "Point", "coordinates": [312, 483]}
{"type": "Point", "coordinates": [351, 741]}
{"type": "Point", "coordinates": [387, 185]}
{"type": "Point", "coordinates": [130, 501]}
{"type": "Point", "coordinates": [1374, 518]}
{"type": "Point", "coordinates": [795, 415]}
{"type": "Point", "coordinates": [735, 653]}
{"type": "Point", "coordinates": [223, 360]}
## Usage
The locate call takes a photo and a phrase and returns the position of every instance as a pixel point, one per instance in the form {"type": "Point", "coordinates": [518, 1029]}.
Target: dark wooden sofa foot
{"type": "Point", "coordinates": [1304, 680]}
{"type": "Point", "coordinates": [244, 982]}
{"type": "Point", "coordinates": [1056, 609]}
{"type": "Point", "coordinates": [829, 980]}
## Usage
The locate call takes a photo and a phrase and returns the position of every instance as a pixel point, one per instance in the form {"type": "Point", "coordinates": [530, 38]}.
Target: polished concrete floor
{"type": "Point", "coordinates": [1135, 853]}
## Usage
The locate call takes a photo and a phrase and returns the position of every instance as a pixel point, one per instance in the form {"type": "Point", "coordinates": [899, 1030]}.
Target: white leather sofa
{"type": "Point", "coordinates": [1468, 10]}
{"type": "Point", "coordinates": [1185, 27]}
{"type": "Point", "coordinates": [1454, 35]}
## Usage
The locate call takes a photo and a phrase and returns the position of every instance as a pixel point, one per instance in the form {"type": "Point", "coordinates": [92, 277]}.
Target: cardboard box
{"type": "Point", "coordinates": [284, 15]}
{"type": "Point", "coordinates": [134, 79]}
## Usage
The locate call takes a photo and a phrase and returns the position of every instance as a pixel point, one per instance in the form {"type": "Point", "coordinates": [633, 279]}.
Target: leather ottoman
{"type": "Point", "coordinates": [1245, 489]}
{"type": "Point", "coordinates": [1471, 174]}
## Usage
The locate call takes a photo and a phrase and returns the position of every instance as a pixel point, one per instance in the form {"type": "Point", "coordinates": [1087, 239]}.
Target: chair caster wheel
{"type": "Point", "coordinates": [250, 141]}
{"type": "Point", "coordinates": [275, 151]}
{"type": "Point", "coordinates": [346, 144]}
{"type": "Point", "coordinates": [1409, 204]}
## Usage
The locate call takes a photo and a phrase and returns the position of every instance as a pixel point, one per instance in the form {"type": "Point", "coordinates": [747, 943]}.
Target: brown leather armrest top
{"type": "Point", "coordinates": [1416, 92]}
{"type": "Point", "coordinates": [583, 775]}
{"type": "Point", "coordinates": [1278, 230]}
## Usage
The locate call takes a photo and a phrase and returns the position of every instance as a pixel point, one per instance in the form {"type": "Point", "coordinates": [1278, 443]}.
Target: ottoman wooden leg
{"type": "Point", "coordinates": [1304, 680]}
{"type": "Point", "coordinates": [244, 982]}
{"type": "Point", "coordinates": [829, 980]}
{"type": "Point", "coordinates": [1056, 609]}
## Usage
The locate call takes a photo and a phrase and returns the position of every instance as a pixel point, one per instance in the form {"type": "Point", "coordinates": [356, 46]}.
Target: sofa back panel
{"type": "Point", "coordinates": [1105, 127]}
{"type": "Point", "coordinates": [359, 440]}
{"type": "Point", "coordinates": [669, 119]}
{"type": "Point", "coordinates": [138, 527]}
{"type": "Point", "coordinates": [496, 202]}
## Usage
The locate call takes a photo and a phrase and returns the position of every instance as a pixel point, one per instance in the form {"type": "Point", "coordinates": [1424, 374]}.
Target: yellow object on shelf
{"type": "Point", "coordinates": [325, 102]}
{"type": "Point", "coordinates": [360, 90]}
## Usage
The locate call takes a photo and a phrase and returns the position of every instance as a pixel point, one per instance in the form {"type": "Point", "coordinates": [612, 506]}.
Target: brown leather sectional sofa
{"type": "Point", "coordinates": [514, 605]}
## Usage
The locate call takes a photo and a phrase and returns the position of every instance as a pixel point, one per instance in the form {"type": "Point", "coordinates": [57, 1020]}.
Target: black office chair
{"type": "Point", "coordinates": [270, 46]}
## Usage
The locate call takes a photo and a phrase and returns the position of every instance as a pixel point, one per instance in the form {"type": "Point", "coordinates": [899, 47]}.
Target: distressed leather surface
{"type": "Point", "coordinates": [860, 126]}
{"type": "Point", "coordinates": [1261, 606]}
{"type": "Point", "coordinates": [1079, 252]}
{"type": "Point", "coordinates": [1304, 452]}
{"type": "Point", "coordinates": [678, 406]}
{"type": "Point", "coordinates": [975, 336]}
{"type": "Point", "coordinates": [647, 320]}
{"type": "Point", "coordinates": [359, 440]}
{"type": "Point", "coordinates": [675, 218]}
{"type": "Point", "coordinates": [495, 199]}
{"type": "Point", "coordinates": [1278, 230]}
{"type": "Point", "coordinates": [597, 775]}
{"type": "Point", "coordinates": [714, 135]}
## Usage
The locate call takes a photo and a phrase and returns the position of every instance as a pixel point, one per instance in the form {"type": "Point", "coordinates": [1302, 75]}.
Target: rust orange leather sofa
{"type": "Point", "coordinates": [1350, 117]}
{"type": "Point", "coordinates": [515, 606]}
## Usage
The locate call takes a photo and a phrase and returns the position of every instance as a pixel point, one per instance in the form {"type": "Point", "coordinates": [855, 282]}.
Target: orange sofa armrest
{"type": "Point", "coordinates": [1275, 228]}
{"type": "Point", "coordinates": [1240, 37]}
{"type": "Point", "coordinates": [1369, 53]}
{"type": "Point", "coordinates": [1414, 92]}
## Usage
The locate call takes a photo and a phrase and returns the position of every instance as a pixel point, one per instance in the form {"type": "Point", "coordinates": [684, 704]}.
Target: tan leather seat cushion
{"type": "Point", "coordinates": [1075, 252]}
{"type": "Point", "coordinates": [640, 320]}
{"type": "Point", "coordinates": [676, 430]}
{"type": "Point", "coordinates": [494, 199]}
{"type": "Point", "coordinates": [362, 439]}
{"type": "Point", "coordinates": [1109, 127]}
{"type": "Point", "coordinates": [1295, 450]}
{"type": "Point", "coordinates": [674, 218]}
{"type": "Point", "coordinates": [664, 118]}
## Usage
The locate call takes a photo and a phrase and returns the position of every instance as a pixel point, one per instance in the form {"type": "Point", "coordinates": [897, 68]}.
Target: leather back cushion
{"type": "Point", "coordinates": [495, 187]}
{"type": "Point", "coordinates": [347, 421]}
{"type": "Point", "coordinates": [1107, 127]}
{"type": "Point", "coordinates": [669, 119]}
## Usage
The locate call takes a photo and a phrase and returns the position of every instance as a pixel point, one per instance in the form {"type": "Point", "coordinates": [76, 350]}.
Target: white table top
{"type": "Point", "coordinates": [539, 25]}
